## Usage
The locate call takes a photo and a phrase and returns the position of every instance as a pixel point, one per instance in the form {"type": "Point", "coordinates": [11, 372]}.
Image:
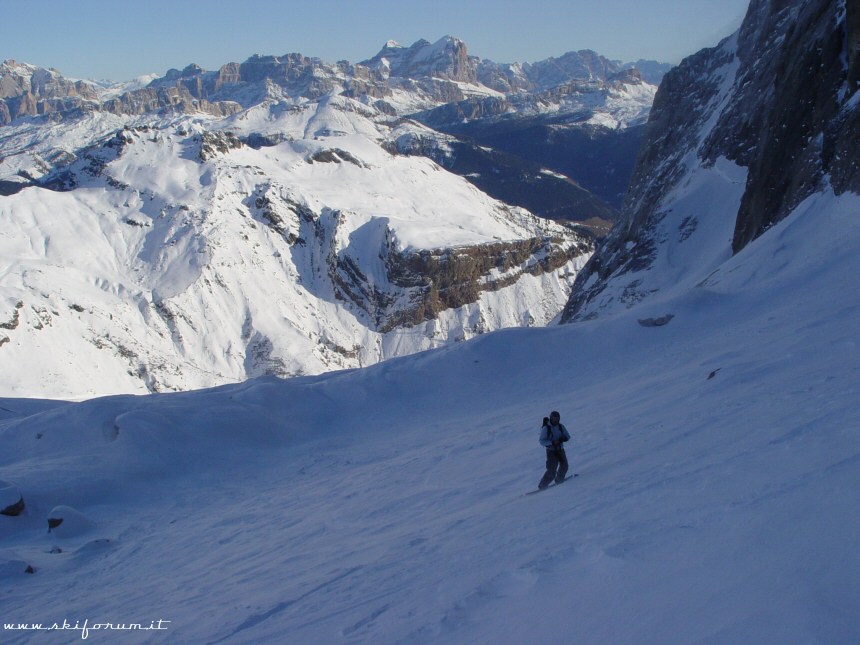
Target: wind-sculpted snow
{"type": "Point", "coordinates": [717, 457]}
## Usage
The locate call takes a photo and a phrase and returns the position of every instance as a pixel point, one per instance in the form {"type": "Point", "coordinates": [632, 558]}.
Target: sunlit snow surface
{"type": "Point", "coordinates": [718, 460]}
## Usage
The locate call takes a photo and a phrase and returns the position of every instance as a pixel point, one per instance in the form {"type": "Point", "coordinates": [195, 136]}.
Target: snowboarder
{"type": "Point", "coordinates": [553, 435]}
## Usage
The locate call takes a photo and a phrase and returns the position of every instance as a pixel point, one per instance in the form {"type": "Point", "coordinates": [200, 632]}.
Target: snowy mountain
{"type": "Point", "coordinates": [559, 130]}
{"type": "Point", "coordinates": [717, 449]}
{"type": "Point", "coordinates": [398, 80]}
{"type": "Point", "coordinates": [177, 254]}
{"type": "Point", "coordinates": [280, 216]}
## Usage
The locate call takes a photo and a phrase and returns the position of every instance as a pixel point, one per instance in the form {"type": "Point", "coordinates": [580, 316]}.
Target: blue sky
{"type": "Point", "coordinates": [121, 39]}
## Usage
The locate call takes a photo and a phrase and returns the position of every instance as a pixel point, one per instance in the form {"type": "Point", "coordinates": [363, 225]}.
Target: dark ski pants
{"type": "Point", "coordinates": [556, 467]}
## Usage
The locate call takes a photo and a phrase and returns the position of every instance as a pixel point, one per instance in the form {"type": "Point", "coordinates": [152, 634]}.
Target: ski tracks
{"type": "Point", "coordinates": [256, 619]}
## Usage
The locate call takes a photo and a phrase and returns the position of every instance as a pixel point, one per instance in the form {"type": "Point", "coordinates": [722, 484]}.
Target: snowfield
{"type": "Point", "coordinates": [718, 459]}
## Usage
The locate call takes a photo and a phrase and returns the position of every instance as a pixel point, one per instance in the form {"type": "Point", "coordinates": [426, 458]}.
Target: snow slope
{"type": "Point", "coordinates": [718, 456]}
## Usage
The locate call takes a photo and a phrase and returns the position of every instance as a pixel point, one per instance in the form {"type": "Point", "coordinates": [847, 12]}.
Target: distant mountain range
{"type": "Point", "coordinates": [423, 74]}
{"type": "Point", "coordinates": [560, 113]}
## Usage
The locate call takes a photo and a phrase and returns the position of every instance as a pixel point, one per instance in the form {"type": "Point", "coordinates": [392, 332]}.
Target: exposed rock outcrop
{"type": "Point", "coordinates": [420, 284]}
{"type": "Point", "coordinates": [67, 522]}
{"type": "Point", "coordinates": [27, 90]}
{"type": "Point", "coordinates": [11, 500]}
{"type": "Point", "coordinates": [451, 278]}
{"type": "Point", "coordinates": [160, 99]}
{"type": "Point", "coordinates": [215, 143]}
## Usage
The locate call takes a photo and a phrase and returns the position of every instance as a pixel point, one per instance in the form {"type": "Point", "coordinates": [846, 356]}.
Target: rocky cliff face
{"type": "Point", "coordinates": [755, 125]}
{"type": "Point", "coordinates": [438, 280]}
{"type": "Point", "coordinates": [245, 83]}
{"type": "Point", "coordinates": [178, 99]}
{"type": "Point", "coordinates": [786, 121]}
{"type": "Point", "coordinates": [27, 90]}
{"type": "Point", "coordinates": [447, 58]}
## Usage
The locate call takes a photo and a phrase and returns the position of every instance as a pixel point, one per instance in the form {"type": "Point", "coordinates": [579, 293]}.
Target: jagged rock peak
{"type": "Point", "coordinates": [584, 64]}
{"type": "Point", "coordinates": [447, 58]}
{"type": "Point", "coordinates": [434, 73]}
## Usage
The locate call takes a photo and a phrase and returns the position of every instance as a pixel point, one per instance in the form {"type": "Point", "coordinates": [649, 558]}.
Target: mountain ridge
{"type": "Point", "coordinates": [440, 84]}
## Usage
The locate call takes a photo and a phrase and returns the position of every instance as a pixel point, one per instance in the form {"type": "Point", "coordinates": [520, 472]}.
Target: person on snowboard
{"type": "Point", "coordinates": [553, 435]}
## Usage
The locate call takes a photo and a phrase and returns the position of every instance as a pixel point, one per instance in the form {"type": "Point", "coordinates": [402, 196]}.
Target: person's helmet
{"type": "Point", "coordinates": [554, 417]}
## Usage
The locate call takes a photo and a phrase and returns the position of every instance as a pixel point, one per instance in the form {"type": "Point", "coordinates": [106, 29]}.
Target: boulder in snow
{"type": "Point", "coordinates": [11, 500]}
{"type": "Point", "coordinates": [65, 522]}
{"type": "Point", "coordinates": [10, 568]}
{"type": "Point", "coordinates": [656, 322]}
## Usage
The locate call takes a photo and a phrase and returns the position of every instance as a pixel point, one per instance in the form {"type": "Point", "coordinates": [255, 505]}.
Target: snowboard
{"type": "Point", "coordinates": [553, 485]}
